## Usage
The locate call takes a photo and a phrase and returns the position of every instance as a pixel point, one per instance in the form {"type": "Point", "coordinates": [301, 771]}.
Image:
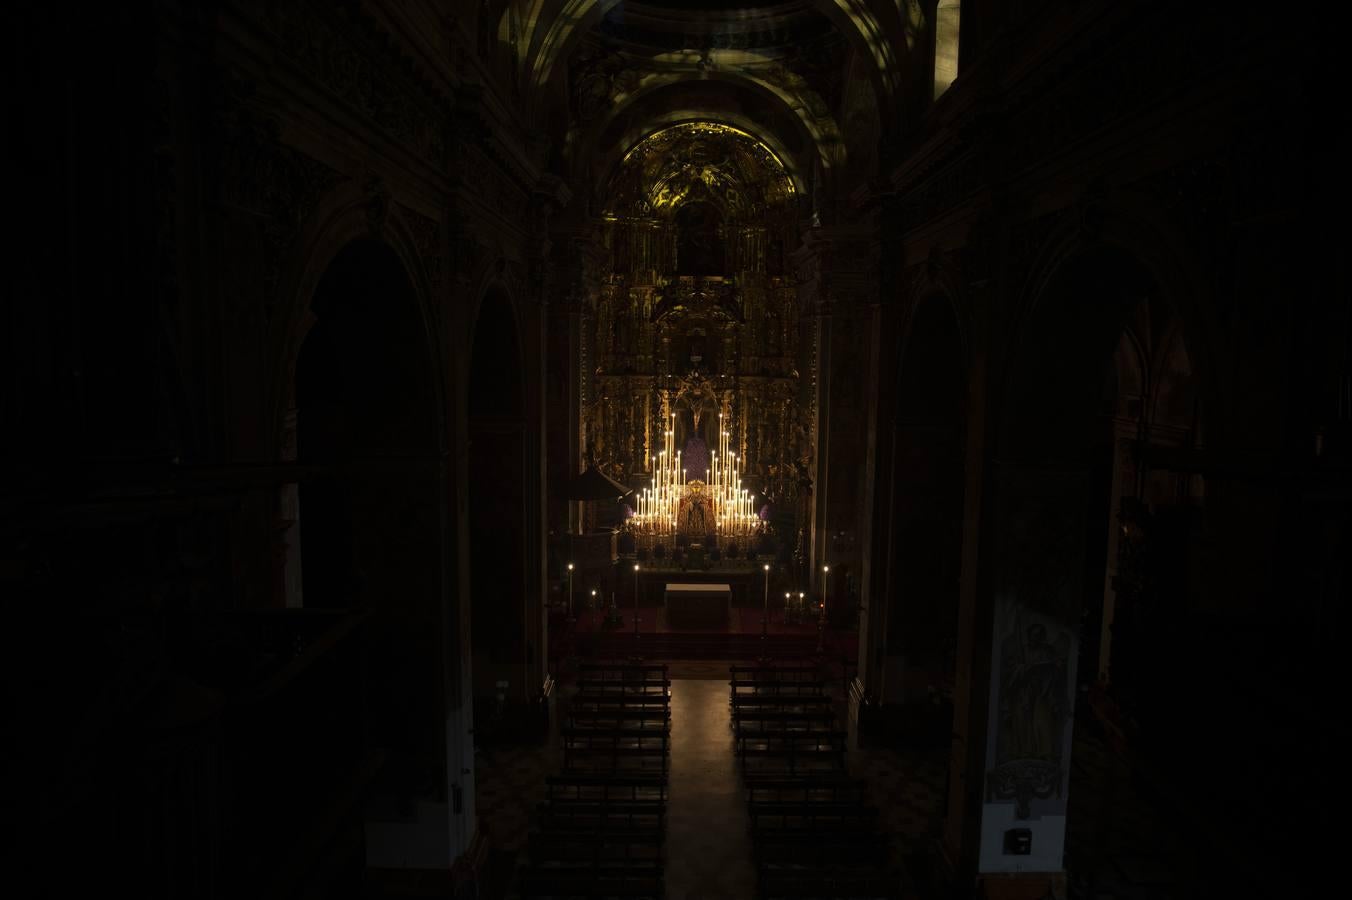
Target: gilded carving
{"type": "Point", "coordinates": [690, 321]}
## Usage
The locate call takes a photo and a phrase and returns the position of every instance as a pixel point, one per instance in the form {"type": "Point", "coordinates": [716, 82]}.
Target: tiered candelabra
{"type": "Point", "coordinates": [732, 506]}
{"type": "Point", "coordinates": [659, 504]}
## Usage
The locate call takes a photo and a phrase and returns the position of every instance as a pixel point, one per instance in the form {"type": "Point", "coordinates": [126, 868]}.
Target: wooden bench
{"type": "Point", "coordinates": [614, 703]}
{"type": "Point", "coordinates": [636, 880]}
{"type": "Point", "coordinates": [650, 687]}
{"type": "Point", "coordinates": [778, 673]}
{"type": "Point", "coordinates": [603, 788]}
{"type": "Point", "coordinates": [842, 883]}
{"type": "Point", "coordinates": [830, 739]}
{"type": "Point", "coordinates": [762, 688]}
{"type": "Point", "coordinates": [584, 816]}
{"type": "Point", "coordinates": [821, 848]}
{"type": "Point", "coordinates": [828, 789]}
{"type": "Point", "coordinates": [793, 762]}
{"type": "Point", "coordinates": [742, 703]}
{"type": "Point", "coordinates": [626, 760]}
{"type": "Point", "coordinates": [779, 720]}
{"type": "Point", "coordinates": [621, 671]}
{"type": "Point", "coordinates": [613, 739]}
{"type": "Point", "coordinates": [779, 816]}
{"type": "Point", "coordinates": [596, 737]}
{"type": "Point", "coordinates": [620, 718]}
{"type": "Point", "coordinates": [597, 847]}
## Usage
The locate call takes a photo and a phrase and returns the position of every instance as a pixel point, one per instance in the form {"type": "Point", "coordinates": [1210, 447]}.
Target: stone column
{"type": "Point", "coordinates": [875, 536]}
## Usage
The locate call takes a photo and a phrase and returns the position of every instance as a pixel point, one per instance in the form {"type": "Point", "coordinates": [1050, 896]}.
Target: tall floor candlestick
{"type": "Point", "coordinates": [571, 617]}
{"type": "Point", "coordinates": [765, 620]}
{"type": "Point", "coordinates": [767, 592]}
{"type": "Point", "coordinates": [821, 621]}
{"type": "Point", "coordinates": [826, 588]}
{"type": "Point", "coordinates": [635, 607]}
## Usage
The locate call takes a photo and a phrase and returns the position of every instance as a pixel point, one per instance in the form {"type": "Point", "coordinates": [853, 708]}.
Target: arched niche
{"type": "Point", "coordinates": [1073, 427]}
{"type": "Point", "coordinates": [928, 424]}
{"type": "Point", "coordinates": [370, 512]}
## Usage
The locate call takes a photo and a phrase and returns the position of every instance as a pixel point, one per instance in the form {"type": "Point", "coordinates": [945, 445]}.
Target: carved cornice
{"type": "Point", "coordinates": [358, 66]}
{"type": "Point", "coordinates": [260, 176]}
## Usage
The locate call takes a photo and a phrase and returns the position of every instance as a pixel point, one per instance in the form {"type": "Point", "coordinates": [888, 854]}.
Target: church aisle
{"type": "Point", "coordinates": [708, 849]}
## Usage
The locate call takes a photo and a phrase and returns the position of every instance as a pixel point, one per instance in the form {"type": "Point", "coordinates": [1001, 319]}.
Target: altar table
{"type": "Point", "coordinates": [698, 605]}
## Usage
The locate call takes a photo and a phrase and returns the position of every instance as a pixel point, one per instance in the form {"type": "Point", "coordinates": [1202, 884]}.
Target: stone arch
{"type": "Point", "coordinates": [1054, 493]}
{"type": "Point", "coordinates": [927, 472]}
{"type": "Point", "coordinates": [878, 40]}
{"type": "Point", "coordinates": [1134, 226]}
{"type": "Point", "coordinates": [820, 132]}
{"type": "Point", "coordinates": [372, 510]}
{"type": "Point", "coordinates": [351, 211]}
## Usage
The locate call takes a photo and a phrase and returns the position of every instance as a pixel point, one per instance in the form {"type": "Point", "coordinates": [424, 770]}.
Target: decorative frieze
{"type": "Point", "coordinates": [261, 176]}
{"type": "Point", "coordinates": [365, 75]}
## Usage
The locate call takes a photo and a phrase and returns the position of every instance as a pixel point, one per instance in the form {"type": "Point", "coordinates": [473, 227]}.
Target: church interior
{"type": "Point", "coordinates": [687, 449]}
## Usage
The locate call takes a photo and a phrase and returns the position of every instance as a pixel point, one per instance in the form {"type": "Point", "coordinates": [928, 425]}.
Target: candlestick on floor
{"type": "Point", "coordinates": [765, 621]}
{"type": "Point", "coordinates": [571, 616]}
{"type": "Point", "coordinates": [636, 652]}
{"type": "Point", "coordinates": [821, 620]}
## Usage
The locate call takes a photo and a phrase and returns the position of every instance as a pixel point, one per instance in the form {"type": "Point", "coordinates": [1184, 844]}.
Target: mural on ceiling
{"type": "Point", "coordinates": [697, 316]}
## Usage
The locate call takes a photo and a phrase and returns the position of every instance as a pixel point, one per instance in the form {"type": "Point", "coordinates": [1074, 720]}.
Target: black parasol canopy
{"type": "Point", "coordinates": [594, 484]}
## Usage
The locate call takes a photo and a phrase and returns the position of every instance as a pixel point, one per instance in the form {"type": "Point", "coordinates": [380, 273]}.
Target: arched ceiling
{"type": "Point", "coordinates": [700, 162]}
{"type": "Point", "coordinates": [605, 73]}
{"type": "Point", "coordinates": [744, 107]}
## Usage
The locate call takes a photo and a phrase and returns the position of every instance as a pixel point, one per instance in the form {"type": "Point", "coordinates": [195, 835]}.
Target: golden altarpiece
{"type": "Point", "coordinates": [696, 349]}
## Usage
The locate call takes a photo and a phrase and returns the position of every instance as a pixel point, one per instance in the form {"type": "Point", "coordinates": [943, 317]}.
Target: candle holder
{"type": "Point", "coordinates": [571, 616]}
{"type": "Point", "coordinates": [637, 657]}
{"type": "Point", "coordinates": [821, 619]}
{"type": "Point", "coordinates": [765, 620]}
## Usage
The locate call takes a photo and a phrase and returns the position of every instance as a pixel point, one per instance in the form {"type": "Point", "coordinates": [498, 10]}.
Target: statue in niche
{"type": "Point", "coordinates": [699, 247]}
{"type": "Point", "coordinates": [621, 335]}
{"type": "Point", "coordinates": [773, 344]}
{"type": "Point", "coordinates": [696, 347]}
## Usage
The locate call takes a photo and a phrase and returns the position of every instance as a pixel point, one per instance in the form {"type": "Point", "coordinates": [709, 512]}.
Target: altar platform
{"type": "Point", "coordinates": [739, 639]}
{"type": "Point", "coordinates": [697, 605]}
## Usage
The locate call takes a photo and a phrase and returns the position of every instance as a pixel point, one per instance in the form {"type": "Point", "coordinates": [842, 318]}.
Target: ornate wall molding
{"type": "Point", "coordinates": [365, 73]}
{"type": "Point", "coordinates": [260, 176]}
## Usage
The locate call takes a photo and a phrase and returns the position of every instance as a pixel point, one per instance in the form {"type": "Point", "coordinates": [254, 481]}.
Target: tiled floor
{"type": "Point", "coordinates": [708, 845]}
{"type": "Point", "coordinates": [510, 784]}
{"type": "Point", "coordinates": [1121, 845]}
{"type": "Point", "coordinates": [907, 786]}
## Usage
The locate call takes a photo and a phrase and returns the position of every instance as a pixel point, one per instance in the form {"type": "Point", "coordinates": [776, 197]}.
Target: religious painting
{"type": "Point", "coordinates": [1040, 566]}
